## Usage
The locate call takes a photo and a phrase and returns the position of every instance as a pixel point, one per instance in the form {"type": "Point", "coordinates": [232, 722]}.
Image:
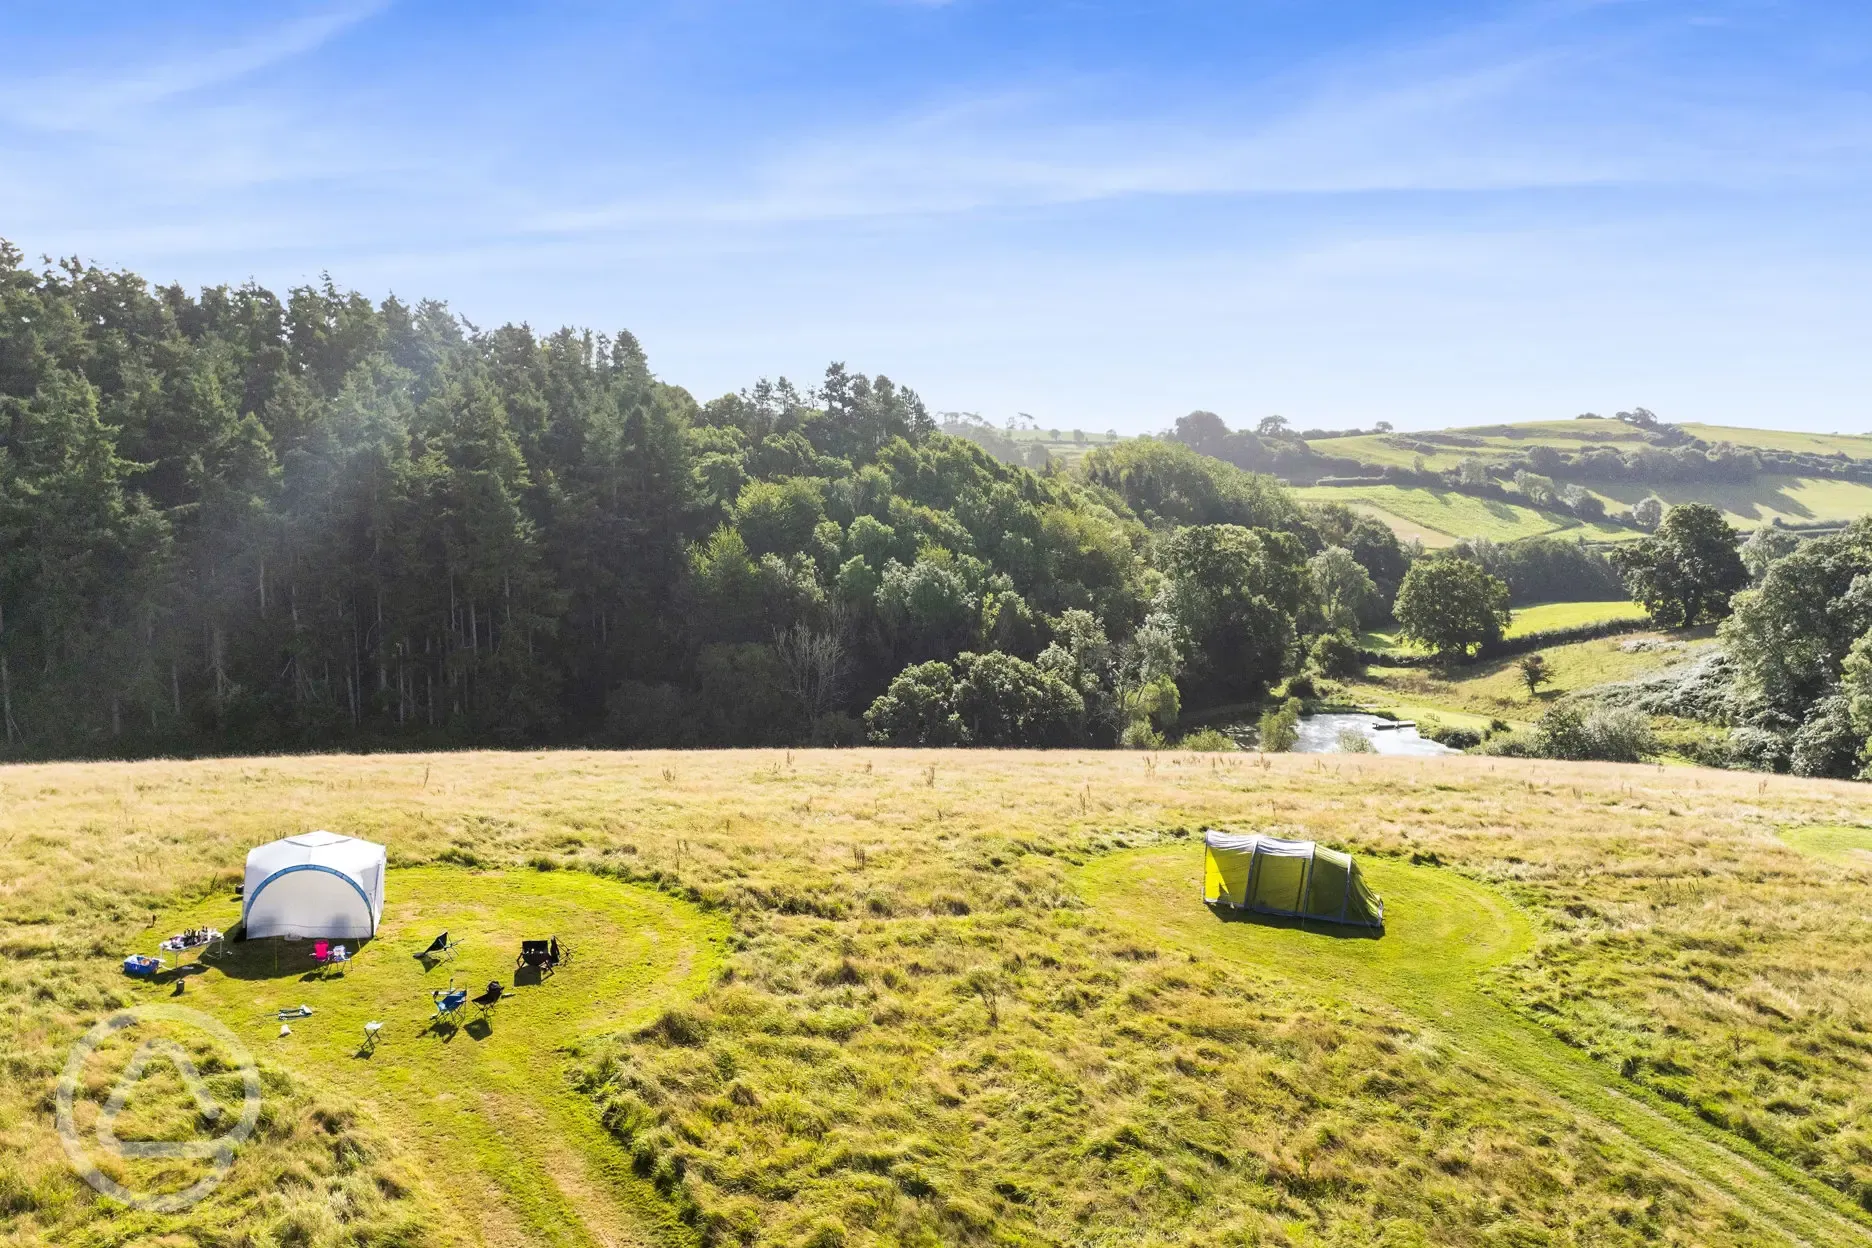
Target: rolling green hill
{"type": "Point", "coordinates": [1438, 518]}
{"type": "Point", "coordinates": [1792, 500]}
{"type": "Point", "coordinates": [1480, 441]}
{"type": "Point", "coordinates": [1853, 446]}
{"type": "Point", "coordinates": [1443, 517]}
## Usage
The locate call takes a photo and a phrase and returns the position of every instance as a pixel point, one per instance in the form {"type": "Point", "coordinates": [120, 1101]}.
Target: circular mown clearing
{"type": "Point", "coordinates": [1440, 928]}
{"type": "Point", "coordinates": [1840, 843]}
{"type": "Point", "coordinates": [481, 1099]}
{"type": "Point", "coordinates": [1441, 931]}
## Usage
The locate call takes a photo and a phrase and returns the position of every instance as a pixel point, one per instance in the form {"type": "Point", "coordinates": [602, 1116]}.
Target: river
{"type": "Point", "coordinates": [1319, 734]}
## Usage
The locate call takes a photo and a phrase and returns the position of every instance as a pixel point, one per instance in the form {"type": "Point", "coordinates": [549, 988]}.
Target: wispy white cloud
{"type": "Point", "coordinates": [100, 98]}
{"type": "Point", "coordinates": [1528, 103]}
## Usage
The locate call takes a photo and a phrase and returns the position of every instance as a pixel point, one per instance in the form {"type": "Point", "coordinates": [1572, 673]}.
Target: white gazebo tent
{"type": "Point", "coordinates": [314, 884]}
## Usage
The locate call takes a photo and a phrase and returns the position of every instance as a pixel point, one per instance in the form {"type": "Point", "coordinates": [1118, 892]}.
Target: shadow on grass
{"type": "Point", "coordinates": [275, 957]}
{"type": "Point", "coordinates": [177, 974]}
{"type": "Point", "coordinates": [1292, 923]}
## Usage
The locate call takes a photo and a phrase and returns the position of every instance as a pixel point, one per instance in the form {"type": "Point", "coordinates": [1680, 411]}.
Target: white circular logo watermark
{"type": "Point", "coordinates": [218, 1152]}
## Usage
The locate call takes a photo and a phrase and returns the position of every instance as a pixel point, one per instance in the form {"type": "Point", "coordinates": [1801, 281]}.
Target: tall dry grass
{"type": "Point", "coordinates": [923, 1036]}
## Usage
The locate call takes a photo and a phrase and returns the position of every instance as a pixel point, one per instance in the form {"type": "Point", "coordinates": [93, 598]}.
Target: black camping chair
{"type": "Point", "coordinates": [491, 998]}
{"type": "Point", "coordinates": [539, 955]}
{"type": "Point", "coordinates": [439, 948]}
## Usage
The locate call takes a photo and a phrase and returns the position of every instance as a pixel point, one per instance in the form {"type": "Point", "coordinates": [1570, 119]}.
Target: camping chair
{"type": "Point", "coordinates": [321, 951]}
{"type": "Point", "coordinates": [491, 998]}
{"type": "Point", "coordinates": [538, 955]}
{"type": "Point", "coordinates": [449, 1000]}
{"type": "Point", "coordinates": [439, 948]}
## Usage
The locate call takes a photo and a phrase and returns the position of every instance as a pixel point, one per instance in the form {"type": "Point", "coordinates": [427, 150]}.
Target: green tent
{"type": "Point", "coordinates": [1267, 874]}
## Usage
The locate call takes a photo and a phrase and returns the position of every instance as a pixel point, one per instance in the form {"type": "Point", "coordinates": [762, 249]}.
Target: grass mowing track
{"type": "Point", "coordinates": [485, 1104]}
{"type": "Point", "coordinates": [1442, 932]}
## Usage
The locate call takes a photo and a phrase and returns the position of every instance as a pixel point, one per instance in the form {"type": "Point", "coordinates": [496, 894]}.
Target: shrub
{"type": "Point", "coordinates": [1337, 654]}
{"type": "Point", "coordinates": [1352, 741]}
{"type": "Point", "coordinates": [983, 699]}
{"type": "Point", "coordinates": [1511, 745]}
{"type": "Point", "coordinates": [1758, 749]}
{"type": "Point", "coordinates": [1300, 685]}
{"type": "Point", "coordinates": [1613, 734]}
{"type": "Point", "coordinates": [1280, 728]}
{"type": "Point", "coordinates": [1454, 737]}
{"type": "Point", "coordinates": [1208, 741]}
{"type": "Point", "coordinates": [1700, 689]}
{"type": "Point", "coordinates": [1826, 744]}
{"type": "Point", "coordinates": [1139, 735]}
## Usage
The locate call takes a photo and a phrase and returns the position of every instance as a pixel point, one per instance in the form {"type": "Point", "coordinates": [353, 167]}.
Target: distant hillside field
{"type": "Point", "coordinates": [1853, 446]}
{"type": "Point", "coordinates": [1493, 441]}
{"type": "Point", "coordinates": [1482, 442]}
{"type": "Point", "coordinates": [1494, 688]}
{"type": "Point", "coordinates": [1418, 511]}
{"type": "Point", "coordinates": [1539, 618]}
{"type": "Point", "coordinates": [1792, 500]}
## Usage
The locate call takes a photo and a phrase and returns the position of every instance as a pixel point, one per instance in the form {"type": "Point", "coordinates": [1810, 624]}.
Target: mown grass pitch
{"type": "Point", "coordinates": [1442, 935]}
{"type": "Point", "coordinates": [1846, 844]}
{"type": "Point", "coordinates": [482, 1100]}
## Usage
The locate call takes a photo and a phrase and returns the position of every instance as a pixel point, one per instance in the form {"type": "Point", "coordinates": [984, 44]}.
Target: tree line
{"type": "Point", "coordinates": [238, 520]}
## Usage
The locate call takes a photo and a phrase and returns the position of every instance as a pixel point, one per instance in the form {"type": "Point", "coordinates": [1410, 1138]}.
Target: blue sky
{"type": "Point", "coordinates": [1101, 214]}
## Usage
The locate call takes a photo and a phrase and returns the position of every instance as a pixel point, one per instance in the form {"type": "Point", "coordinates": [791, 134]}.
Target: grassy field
{"type": "Point", "coordinates": [481, 1102]}
{"type": "Point", "coordinates": [1442, 517]}
{"type": "Point", "coordinates": [1847, 845]}
{"type": "Point", "coordinates": [1456, 515]}
{"type": "Point", "coordinates": [1576, 435]}
{"type": "Point", "coordinates": [1536, 618]}
{"type": "Point", "coordinates": [1065, 446]}
{"type": "Point", "coordinates": [946, 1008]}
{"type": "Point", "coordinates": [1548, 615]}
{"type": "Point", "coordinates": [1792, 500]}
{"type": "Point", "coordinates": [1406, 530]}
{"type": "Point", "coordinates": [1374, 449]}
{"type": "Point", "coordinates": [1852, 445]}
{"type": "Point", "coordinates": [1493, 688]}
{"type": "Point", "coordinates": [1444, 935]}
{"type": "Point", "coordinates": [1563, 435]}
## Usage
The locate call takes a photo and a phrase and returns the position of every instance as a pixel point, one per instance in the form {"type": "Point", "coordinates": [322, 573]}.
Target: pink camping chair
{"type": "Point", "coordinates": [321, 951]}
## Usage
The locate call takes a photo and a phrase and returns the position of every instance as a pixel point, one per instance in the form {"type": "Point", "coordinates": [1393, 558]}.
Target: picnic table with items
{"type": "Point", "coordinates": [194, 938]}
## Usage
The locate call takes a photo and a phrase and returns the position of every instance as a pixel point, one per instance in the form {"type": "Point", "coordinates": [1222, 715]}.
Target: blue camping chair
{"type": "Point", "coordinates": [449, 1001]}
